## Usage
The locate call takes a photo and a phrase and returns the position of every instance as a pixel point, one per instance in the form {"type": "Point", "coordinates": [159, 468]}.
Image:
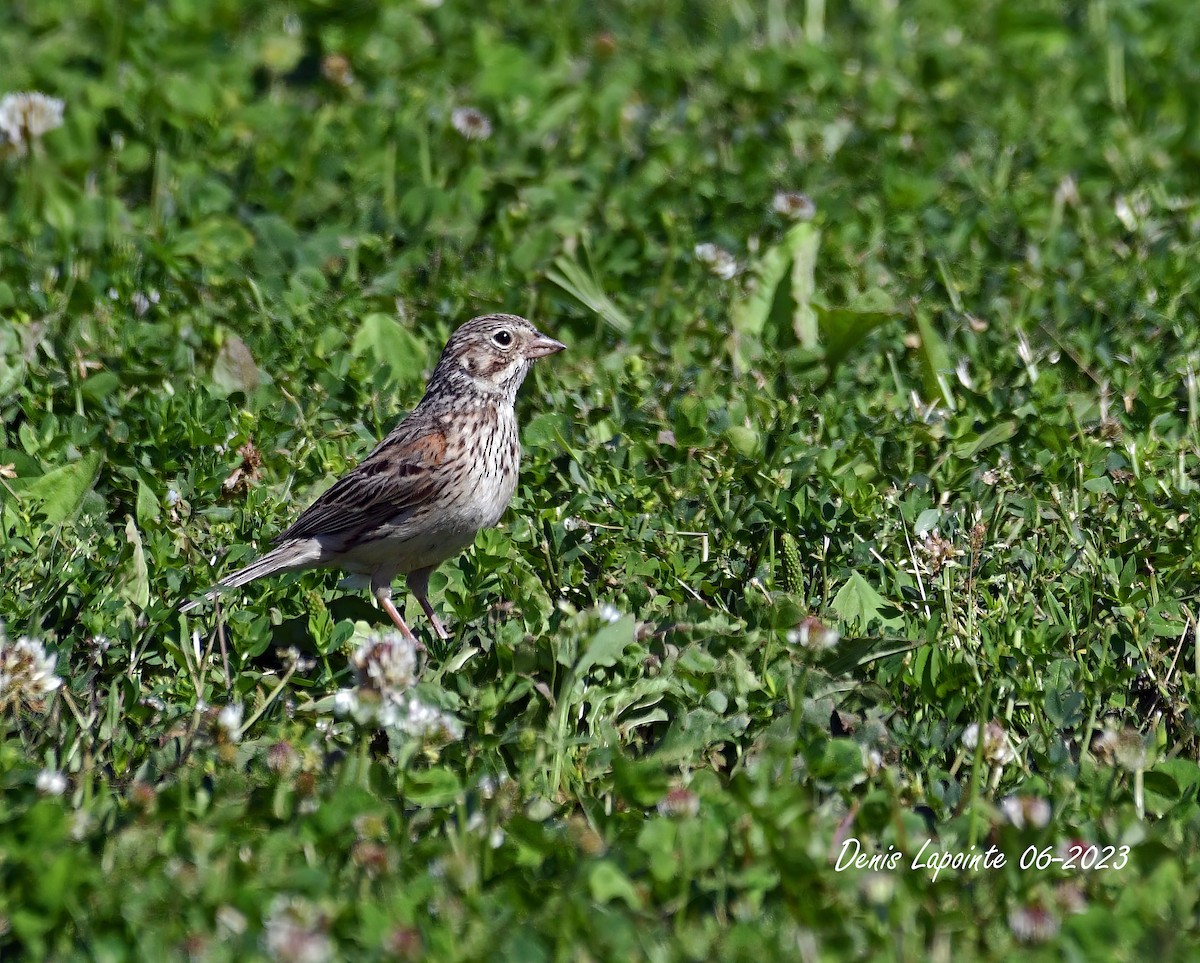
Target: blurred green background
{"type": "Point", "coordinates": [944, 404]}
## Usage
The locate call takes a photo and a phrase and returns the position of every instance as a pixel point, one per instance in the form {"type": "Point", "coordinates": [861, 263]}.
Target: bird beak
{"type": "Point", "coordinates": [541, 346]}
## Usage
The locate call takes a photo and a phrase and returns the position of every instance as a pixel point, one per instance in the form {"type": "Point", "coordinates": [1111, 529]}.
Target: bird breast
{"type": "Point", "coordinates": [492, 457]}
{"type": "Point", "coordinates": [483, 454]}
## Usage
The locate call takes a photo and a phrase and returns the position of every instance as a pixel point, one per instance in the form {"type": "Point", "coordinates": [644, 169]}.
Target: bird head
{"type": "Point", "coordinates": [492, 355]}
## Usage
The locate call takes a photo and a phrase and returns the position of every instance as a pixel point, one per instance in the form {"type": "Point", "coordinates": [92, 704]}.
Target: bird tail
{"type": "Point", "coordinates": [291, 556]}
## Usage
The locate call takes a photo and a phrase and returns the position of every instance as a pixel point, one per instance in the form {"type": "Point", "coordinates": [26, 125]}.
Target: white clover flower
{"type": "Point", "coordinates": [229, 721]}
{"type": "Point", "coordinates": [42, 680]}
{"type": "Point", "coordinates": [385, 670]}
{"type": "Point", "coordinates": [385, 661]}
{"type": "Point", "coordinates": [401, 711]}
{"type": "Point", "coordinates": [726, 269]}
{"type": "Point", "coordinates": [230, 922]}
{"type": "Point", "coordinates": [26, 671]}
{"type": "Point", "coordinates": [719, 261]}
{"type": "Point", "coordinates": [364, 706]}
{"type": "Point", "coordinates": [296, 932]}
{"type": "Point", "coordinates": [386, 712]}
{"type": "Point", "coordinates": [420, 720]}
{"type": "Point", "coordinates": [1124, 747]}
{"type": "Point", "coordinates": [1013, 810]}
{"type": "Point", "coordinates": [1032, 924]}
{"type": "Point", "coordinates": [282, 758]}
{"type": "Point", "coordinates": [51, 782]}
{"type": "Point", "coordinates": [1022, 811]}
{"type": "Point", "coordinates": [27, 117]}
{"type": "Point", "coordinates": [794, 206]}
{"type": "Point", "coordinates": [679, 801]}
{"type": "Point", "coordinates": [473, 124]}
{"type": "Point", "coordinates": [996, 747]}
{"type": "Point", "coordinates": [608, 613]}
{"type": "Point", "coordinates": [172, 497]}
{"type": "Point", "coordinates": [292, 659]}
{"type": "Point", "coordinates": [1131, 211]}
{"type": "Point", "coordinates": [345, 702]}
{"type": "Point", "coordinates": [141, 303]}
{"type": "Point", "coordinates": [936, 552]}
{"type": "Point", "coordinates": [812, 633]}
{"type": "Point", "coordinates": [1001, 754]}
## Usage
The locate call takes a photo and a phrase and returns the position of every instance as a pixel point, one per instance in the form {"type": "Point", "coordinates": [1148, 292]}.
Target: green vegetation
{"type": "Point", "coordinates": [950, 411]}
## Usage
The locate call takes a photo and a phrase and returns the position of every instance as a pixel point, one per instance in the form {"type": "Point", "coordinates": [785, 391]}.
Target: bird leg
{"type": "Point", "coordinates": [433, 619]}
{"type": "Point", "coordinates": [418, 584]}
{"type": "Point", "coordinates": [383, 595]}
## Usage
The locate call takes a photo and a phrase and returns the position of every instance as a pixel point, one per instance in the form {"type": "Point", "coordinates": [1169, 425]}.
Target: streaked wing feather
{"type": "Point", "coordinates": [401, 474]}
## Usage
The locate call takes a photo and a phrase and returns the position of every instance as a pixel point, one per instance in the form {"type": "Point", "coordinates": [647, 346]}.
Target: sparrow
{"type": "Point", "coordinates": [446, 471]}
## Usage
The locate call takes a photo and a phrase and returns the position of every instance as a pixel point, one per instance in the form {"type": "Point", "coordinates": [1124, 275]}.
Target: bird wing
{"type": "Point", "coordinates": [403, 473]}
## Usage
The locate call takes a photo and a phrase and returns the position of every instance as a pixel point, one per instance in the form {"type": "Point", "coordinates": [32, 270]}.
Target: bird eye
{"type": "Point", "coordinates": [502, 338]}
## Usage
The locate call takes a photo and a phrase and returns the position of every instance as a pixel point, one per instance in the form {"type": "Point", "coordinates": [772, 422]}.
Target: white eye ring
{"type": "Point", "coordinates": [503, 337]}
